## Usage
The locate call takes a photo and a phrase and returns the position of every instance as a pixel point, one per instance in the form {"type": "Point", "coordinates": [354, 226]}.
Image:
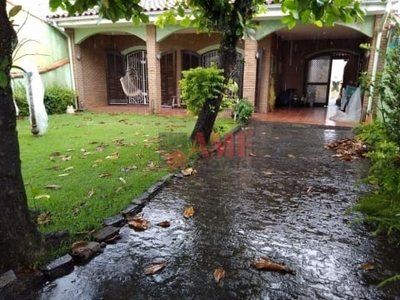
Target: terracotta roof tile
{"type": "Point", "coordinates": [148, 5]}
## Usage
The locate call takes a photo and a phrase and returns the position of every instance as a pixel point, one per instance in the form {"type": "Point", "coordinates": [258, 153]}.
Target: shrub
{"type": "Point", "coordinates": [200, 84]}
{"type": "Point", "coordinates": [243, 110]}
{"type": "Point", "coordinates": [56, 99]}
{"type": "Point", "coordinates": [19, 94]}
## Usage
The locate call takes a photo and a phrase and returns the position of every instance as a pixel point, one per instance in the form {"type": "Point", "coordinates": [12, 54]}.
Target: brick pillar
{"type": "Point", "coordinates": [250, 69]}
{"type": "Point", "coordinates": [153, 65]}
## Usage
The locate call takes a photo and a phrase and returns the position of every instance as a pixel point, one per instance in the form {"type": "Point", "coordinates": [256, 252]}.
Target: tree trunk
{"type": "Point", "coordinates": [228, 27]}
{"type": "Point", "coordinates": [209, 111]}
{"type": "Point", "coordinates": [20, 239]}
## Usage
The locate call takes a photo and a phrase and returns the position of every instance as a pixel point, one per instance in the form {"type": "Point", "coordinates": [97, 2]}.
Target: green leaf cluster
{"type": "Point", "coordinates": [201, 84]}
{"type": "Point", "coordinates": [382, 207]}
{"type": "Point", "coordinates": [243, 110]}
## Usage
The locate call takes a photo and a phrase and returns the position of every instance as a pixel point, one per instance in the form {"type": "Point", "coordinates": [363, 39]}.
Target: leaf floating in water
{"type": "Point", "coordinates": [164, 224]}
{"type": "Point", "coordinates": [188, 172]}
{"type": "Point", "coordinates": [367, 266]}
{"type": "Point", "coordinates": [291, 156]}
{"type": "Point", "coordinates": [139, 224]}
{"type": "Point", "coordinates": [219, 274]}
{"type": "Point", "coordinates": [252, 154]}
{"type": "Point", "coordinates": [155, 267]}
{"type": "Point", "coordinates": [264, 263]}
{"type": "Point", "coordinates": [188, 212]}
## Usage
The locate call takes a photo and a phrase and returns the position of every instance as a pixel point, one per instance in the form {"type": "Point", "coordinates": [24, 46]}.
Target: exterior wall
{"type": "Point", "coordinates": [294, 54]}
{"type": "Point", "coordinates": [380, 64]}
{"type": "Point", "coordinates": [43, 44]}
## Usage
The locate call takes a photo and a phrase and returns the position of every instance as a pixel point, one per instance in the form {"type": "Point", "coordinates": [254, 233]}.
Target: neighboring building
{"type": "Point", "coordinates": [307, 61]}
{"type": "Point", "coordinates": [41, 43]}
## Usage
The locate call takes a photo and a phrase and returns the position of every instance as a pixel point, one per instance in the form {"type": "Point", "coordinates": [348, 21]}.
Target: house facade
{"type": "Point", "coordinates": [40, 43]}
{"type": "Point", "coordinates": [304, 65]}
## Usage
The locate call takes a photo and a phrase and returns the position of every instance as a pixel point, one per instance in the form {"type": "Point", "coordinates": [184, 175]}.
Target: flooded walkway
{"type": "Point", "coordinates": [275, 192]}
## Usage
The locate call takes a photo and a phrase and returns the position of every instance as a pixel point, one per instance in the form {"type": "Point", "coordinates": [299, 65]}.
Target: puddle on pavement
{"type": "Point", "coordinates": [272, 192]}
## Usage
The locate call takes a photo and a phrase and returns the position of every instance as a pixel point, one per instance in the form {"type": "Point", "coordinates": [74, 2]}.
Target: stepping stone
{"type": "Point", "coordinates": [7, 278]}
{"type": "Point", "coordinates": [106, 233]}
{"type": "Point", "coordinates": [59, 267]}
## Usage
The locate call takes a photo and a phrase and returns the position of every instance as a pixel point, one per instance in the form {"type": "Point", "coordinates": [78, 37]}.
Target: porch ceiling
{"type": "Point", "coordinates": [311, 32]}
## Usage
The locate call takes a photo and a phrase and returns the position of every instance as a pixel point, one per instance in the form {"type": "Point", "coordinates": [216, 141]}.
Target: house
{"type": "Point", "coordinates": [41, 43]}
{"type": "Point", "coordinates": [307, 63]}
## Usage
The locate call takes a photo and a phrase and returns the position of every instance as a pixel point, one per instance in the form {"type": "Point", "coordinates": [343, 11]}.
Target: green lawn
{"type": "Point", "coordinates": [89, 166]}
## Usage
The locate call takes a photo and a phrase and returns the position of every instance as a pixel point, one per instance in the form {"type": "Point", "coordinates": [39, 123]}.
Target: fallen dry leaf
{"type": "Point", "coordinates": [113, 156]}
{"type": "Point", "coordinates": [53, 187]}
{"type": "Point", "coordinates": [252, 154]}
{"type": "Point", "coordinates": [367, 266]}
{"type": "Point", "coordinates": [105, 174]}
{"type": "Point", "coordinates": [219, 274]}
{"type": "Point", "coordinates": [267, 172]}
{"type": "Point", "coordinates": [164, 224]}
{"type": "Point", "coordinates": [348, 149]}
{"type": "Point", "coordinates": [122, 180]}
{"type": "Point", "coordinates": [129, 168]}
{"type": "Point", "coordinates": [188, 172]}
{"type": "Point", "coordinates": [139, 224]}
{"type": "Point", "coordinates": [188, 212]}
{"type": "Point", "coordinates": [54, 168]}
{"type": "Point", "coordinates": [68, 169]}
{"type": "Point", "coordinates": [291, 156]}
{"type": "Point", "coordinates": [155, 267]}
{"type": "Point", "coordinates": [63, 175]}
{"type": "Point", "coordinates": [43, 218]}
{"type": "Point", "coordinates": [66, 157]}
{"type": "Point", "coordinates": [118, 189]}
{"type": "Point", "coordinates": [264, 263]}
{"type": "Point", "coordinates": [90, 193]}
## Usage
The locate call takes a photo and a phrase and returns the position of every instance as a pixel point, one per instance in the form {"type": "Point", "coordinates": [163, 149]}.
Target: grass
{"type": "Point", "coordinates": [89, 166]}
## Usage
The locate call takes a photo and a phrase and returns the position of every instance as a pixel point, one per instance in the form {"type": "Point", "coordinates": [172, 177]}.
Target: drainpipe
{"type": "Point", "coordinates": [71, 64]}
{"type": "Point", "coordinates": [376, 56]}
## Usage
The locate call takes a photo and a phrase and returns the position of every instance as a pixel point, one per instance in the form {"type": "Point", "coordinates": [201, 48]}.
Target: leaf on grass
{"type": "Point", "coordinates": [53, 187]}
{"type": "Point", "coordinates": [138, 155]}
{"type": "Point", "coordinates": [219, 274]}
{"type": "Point", "coordinates": [38, 197]}
{"type": "Point", "coordinates": [43, 218]}
{"type": "Point", "coordinates": [105, 174]}
{"type": "Point", "coordinates": [155, 267]}
{"type": "Point", "coordinates": [63, 175]}
{"type": "Point", "coordinates": [122, 180]}
{"type": "Point", "coordinates": [98, 161]}
{"type": "Point", "coordinates": [90, 193]}
{"type": "Point", "coordinates": [68, 169]}
{"type": "Point", "coordinates": [54, 168]}
{"type": "Point", "coordinates": [129, 168]}
{"type": "Point", "coordinates": [139, 224]}
{"type": "Point", "coordinates": [164, 224]}
{"type": "Point", "coordinates": [118, 189]}
{"type": "Point", "coordinates": [367, 266]}
{"type": "Point", "coordinates": [57, 153]}
{"type": "Point", "coordinates": [113, 156]}
{"type": "Point", "coordinates": [264, 263]}
{"type": "Point", "coordinates": [66, 157]}
{"type": "Point", "coordinates": [151, 164]}
{"type": "Point", "coordinates": [188, 212]}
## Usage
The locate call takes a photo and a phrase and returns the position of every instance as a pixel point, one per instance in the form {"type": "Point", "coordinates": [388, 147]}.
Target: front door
{"type": "Point", "coordinates": [115, 70]}
{"type": "Point", "coordinates": [318, 80]}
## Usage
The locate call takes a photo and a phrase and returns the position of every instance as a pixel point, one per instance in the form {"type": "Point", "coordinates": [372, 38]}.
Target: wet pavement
{"type": "Point", "coordinates": [273, 191]}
